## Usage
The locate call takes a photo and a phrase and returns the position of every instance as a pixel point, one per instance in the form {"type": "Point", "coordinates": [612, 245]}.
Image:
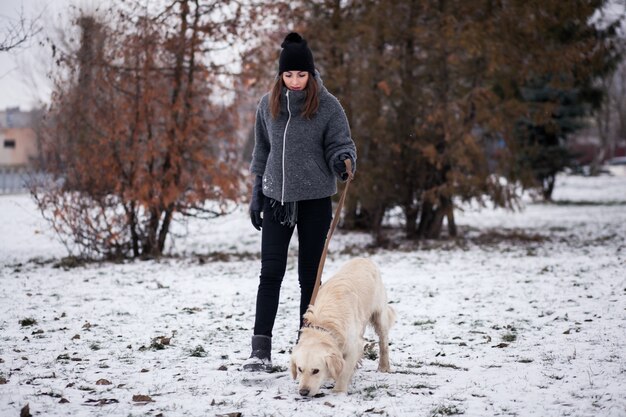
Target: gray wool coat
{"type": "Point", "coordinates": [295, 155]}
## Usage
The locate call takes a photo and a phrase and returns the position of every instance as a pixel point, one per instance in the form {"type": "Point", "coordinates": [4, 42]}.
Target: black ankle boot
{"type": "Point", "coordinates": [261, 357]}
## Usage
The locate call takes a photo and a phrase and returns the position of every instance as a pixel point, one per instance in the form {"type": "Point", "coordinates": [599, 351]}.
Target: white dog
{"type": "Point", "coordinates": [331, 342]}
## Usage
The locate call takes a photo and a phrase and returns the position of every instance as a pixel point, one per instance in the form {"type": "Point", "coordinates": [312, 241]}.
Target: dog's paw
{"type": "Point", "coordinates": [384, 369]}
{"type": "Point", "coordinates": [340, 390]}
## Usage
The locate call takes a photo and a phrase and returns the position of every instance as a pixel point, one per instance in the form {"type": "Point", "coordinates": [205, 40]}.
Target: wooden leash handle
{"type": "Point", "coordinates": [333, 225]}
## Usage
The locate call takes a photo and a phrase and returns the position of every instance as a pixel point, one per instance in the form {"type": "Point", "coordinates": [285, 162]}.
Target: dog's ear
{"type": "Point", "coordinates": [335, 364]}
{"type": "Point", "coordinates": [294, 368]}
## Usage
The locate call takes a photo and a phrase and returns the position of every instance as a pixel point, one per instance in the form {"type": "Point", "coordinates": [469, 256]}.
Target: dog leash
{"type": "Point", "coordinates": [333, 225]}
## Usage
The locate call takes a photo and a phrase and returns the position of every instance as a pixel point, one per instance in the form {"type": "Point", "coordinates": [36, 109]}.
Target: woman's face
{"type": "Point", "coordinates": [295, 80]}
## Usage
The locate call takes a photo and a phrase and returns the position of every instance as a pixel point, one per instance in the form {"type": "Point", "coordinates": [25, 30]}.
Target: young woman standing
{"type": "Point", "coordinates": [302, 139]}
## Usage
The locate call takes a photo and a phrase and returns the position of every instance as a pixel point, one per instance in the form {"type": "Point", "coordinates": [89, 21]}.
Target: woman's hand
{"type": "Point", "coordinates": [340, 166]}
{"type": "Point", "coordinates": [256, 203]}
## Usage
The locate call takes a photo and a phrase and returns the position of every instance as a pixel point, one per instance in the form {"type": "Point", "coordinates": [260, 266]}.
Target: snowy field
{"type": "Point", "coordinates": [523, 316]}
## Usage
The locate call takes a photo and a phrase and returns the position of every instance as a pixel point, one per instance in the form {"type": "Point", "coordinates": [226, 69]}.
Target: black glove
{"type": "Point", "coordinates": [340, 166]}
{"type": "Point", "coordinates": [256, 204]}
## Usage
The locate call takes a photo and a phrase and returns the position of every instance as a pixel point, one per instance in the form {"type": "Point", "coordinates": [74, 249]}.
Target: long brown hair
{"type": "Point", "coordinates": [311, 103]}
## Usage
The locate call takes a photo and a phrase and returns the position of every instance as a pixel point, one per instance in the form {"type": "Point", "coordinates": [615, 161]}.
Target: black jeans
{"type": "Point", "coordinates": [314, 217]}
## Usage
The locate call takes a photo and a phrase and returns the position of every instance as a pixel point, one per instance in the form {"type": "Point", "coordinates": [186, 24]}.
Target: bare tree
{"type": "Point", "coordinates": [618, 97]}
{"type": "Point", "coordinates": [18, 31]}
{"type": "Point", "coordinates": [141, 130]}
{"type": "Point", "coordinates": [610, 117]}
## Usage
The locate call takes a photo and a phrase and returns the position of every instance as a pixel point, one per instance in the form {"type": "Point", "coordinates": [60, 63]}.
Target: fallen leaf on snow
{"type": "Point", "coordinates": [142, 399]}
{"type": "Point", "coordinates": [159, 342]}
{"type": "Point", "coordinates": [103, 382]}
{"type": "Point", "coordinates": [25, 412]}
{"type": "Point", "coordinates": [500, 345]}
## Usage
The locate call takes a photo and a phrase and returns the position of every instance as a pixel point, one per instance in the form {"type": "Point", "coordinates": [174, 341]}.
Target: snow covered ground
{"type": "Point", "coordinates": [523, 316]}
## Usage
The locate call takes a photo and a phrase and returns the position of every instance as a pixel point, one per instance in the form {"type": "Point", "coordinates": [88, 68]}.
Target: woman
{"type": "Point", "coordinates": [302, 139]}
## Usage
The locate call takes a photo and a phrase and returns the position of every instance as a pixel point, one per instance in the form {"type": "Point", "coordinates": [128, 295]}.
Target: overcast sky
{"type": "Point", "coordinates": [22, 71]}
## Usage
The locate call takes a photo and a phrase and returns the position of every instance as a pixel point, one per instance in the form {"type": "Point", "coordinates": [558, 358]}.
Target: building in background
{"type": "Point", "coordinates": [18, 147]}
{"type": "Point", "coordinates": [18, 141]}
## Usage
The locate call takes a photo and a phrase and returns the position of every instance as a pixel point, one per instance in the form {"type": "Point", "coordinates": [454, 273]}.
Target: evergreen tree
{"type": "Point", "coordinates": [544, 150]}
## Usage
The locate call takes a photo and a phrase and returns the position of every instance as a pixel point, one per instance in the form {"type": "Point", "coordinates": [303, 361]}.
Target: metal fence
{"type": "Point", "coordinates": [13, 180]}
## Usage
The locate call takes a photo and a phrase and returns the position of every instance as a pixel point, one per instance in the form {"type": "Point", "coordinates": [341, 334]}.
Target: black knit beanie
{"type": "Point", "coordinates": [296, 55]}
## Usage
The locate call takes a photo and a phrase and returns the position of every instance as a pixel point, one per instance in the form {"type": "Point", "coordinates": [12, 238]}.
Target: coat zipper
{"type": "Point", "coordinates": [282, 197]}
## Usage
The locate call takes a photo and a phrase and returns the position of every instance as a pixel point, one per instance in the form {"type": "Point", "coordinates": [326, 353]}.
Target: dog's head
{"type": "Point", "coordinates": [314, 362]}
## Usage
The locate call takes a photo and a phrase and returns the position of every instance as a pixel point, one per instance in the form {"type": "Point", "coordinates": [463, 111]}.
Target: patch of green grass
{"type": "Point", "coordinates": [70, 262]}
{"type": "Point", "coordinates": [371, 391]}
{"type": "Point", "coordinates": [369, 352]}
{"type": "Point", "coordinates": [277, 368]}
{"type": "Point", "coordinates": [448, 365]}
{"type": "Point", "coordinates": [28, 321]}
{"type": "Point", "coordinates": [427, 322]}
{"type": "Point", "coordinates": [509, 337]}
{"type": "Point", "coordinates": [415, 365]}
{"type": "Point", "coordinates": [198, 352]}
{"type": "Point", "coordinates": [446, 410]}
{"type": "Point", "coordinates": [422, 386]}
{"type": "Point", "coordinates": [588, 203]}
{"type": "Point", "coordinates": [191, 310]}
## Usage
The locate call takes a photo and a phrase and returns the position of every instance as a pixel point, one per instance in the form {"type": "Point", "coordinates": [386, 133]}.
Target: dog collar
{"type": "Point", "coordinates": [310, 326]}
{"type": "Point", "coordinates": [321, 329]}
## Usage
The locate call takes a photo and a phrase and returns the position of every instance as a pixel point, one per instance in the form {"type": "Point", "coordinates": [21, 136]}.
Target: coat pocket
{"type": "Point", "coordinates": [321, 167]}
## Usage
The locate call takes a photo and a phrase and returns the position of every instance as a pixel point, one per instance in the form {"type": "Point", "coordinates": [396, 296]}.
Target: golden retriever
{"type": "Point", "coordinates": [331, 342]}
